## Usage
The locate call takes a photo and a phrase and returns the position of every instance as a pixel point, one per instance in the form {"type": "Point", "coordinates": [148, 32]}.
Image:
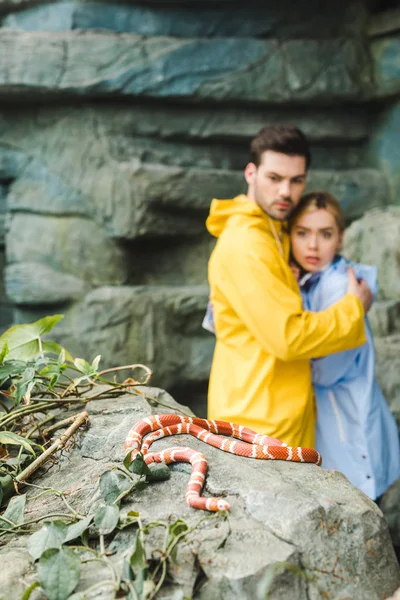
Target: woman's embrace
{"type": "Point", "coordinates": [355, 432]}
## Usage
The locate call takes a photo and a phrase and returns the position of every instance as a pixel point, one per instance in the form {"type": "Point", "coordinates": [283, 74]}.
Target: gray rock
{"type": "Point", "coordinates": [388, 370]}
{"type": "Point", "coordinates": [373, 239]}
{"type": "Point", "coordinates": [384, 23]}
{"type": "Point", "coordinates": [385, 150]}
{"type": "Point", "coordinates": [100, 64]}
{"type": "Point", "coordinates": [156, 325]}
{"type": "Point", "coordinates": [88, 162]}
{"type": "Point", "coordinates": [115, 121]}
{"type": "Point", "coordinates": [315, 534]}
{"type": "Point", "coordinates": [69, 245]}
{"type": "Point", "coordinates": [390, 507]}
{"type": "Point", "coordinates": [358, 190]}
{"type": "Point", "coordinates": [384, 317]}
{"type": "Point", "coordinates": [385, 52]}
{"type": "Point", "coordinates": [57, 16]}
{"type": "Point", "coordinates": [35, 283]}
{"type": "Point", "coordinates": [129, 199]}
{"type": "Point", "coordinates": [288, 19]}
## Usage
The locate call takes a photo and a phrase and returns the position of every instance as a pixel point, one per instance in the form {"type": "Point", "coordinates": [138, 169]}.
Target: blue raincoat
{"type": "Point", "coordinates": [356, 432]}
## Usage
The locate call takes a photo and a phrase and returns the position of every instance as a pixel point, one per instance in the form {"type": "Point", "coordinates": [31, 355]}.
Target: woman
{"type": "Point", "coordinates": [356, 433]}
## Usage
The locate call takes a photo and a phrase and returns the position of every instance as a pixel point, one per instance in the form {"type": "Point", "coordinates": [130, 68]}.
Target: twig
{"type": "Point", "coordinates": [26, 410]}
{"type": "Point", "coordinates": [149, 372]}
{"type": "Point", "coordinates": [39, 425]}
{"type": "Point", "coordinates": [80, 418]}
{"type": "Point", "coordinates": [59, 425]}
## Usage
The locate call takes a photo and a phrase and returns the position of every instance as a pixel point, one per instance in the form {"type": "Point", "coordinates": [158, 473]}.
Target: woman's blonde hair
{"type": "Point", "coordinates": [317, 200]}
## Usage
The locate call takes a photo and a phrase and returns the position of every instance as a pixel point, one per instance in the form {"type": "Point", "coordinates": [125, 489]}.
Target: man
{"type": "Point", "coordinates": [261, 376]}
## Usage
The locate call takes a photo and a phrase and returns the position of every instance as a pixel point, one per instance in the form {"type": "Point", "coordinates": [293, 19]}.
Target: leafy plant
{"type": "Point", "coordinates": [39, 376]}
{"type": "Point", "coordinates": [38, 380]}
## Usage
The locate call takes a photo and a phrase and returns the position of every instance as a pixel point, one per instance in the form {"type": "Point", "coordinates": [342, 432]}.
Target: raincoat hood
{"type": "Point", "coordinates": [221, 211]}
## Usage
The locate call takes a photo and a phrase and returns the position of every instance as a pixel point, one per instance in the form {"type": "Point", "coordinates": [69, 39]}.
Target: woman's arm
{"type": "Point", "coordinates": [331, 369]}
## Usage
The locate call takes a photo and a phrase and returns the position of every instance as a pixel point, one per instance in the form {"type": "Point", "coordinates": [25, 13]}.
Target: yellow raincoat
{"type": "Point", "coordinates": [261, 376]}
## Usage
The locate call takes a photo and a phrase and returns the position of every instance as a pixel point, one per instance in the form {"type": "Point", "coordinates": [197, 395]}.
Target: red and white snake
{"type": "Point", "coordinates": [252, 445]}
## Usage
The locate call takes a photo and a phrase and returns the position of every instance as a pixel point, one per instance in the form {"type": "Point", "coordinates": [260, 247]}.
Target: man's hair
{"type": "Point", "coordinates": [314, 201]}
{"type": "Point", "coordinates": [280, 138]}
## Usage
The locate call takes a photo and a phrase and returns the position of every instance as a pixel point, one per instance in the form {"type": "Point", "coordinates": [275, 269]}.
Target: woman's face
{"type": "Point", "coordinates": [315, 239]}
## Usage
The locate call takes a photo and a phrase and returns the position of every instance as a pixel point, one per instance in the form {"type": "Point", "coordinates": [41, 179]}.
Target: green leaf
{"type": "Point", "coordinates": [177, 527]}
{"type": "Point", "coordinates": [6, 487]}
{"type": "Point", "coordinates": [21, 389]}
{"type": "Point", "coordinates": [106, 518]}
{"type": "Point", "coordinates": [4, 352]}
{"type": "Point", "coordinates": [58, 572]}
{"type": "Point", "coordinates": [84, 367]}
{"type": "Point", "coordinates": [61, 357]}
{"type": "Point", "coordinates": [95, 363]}
{"type": "Point", "coordinates": [112, 484]}
{"type": "Point", "coordinates": [77, 529]}
{"type": "Point", "coordinates": [50, 370]}
{"type": "Point", "coordinates": [23, 340]}
{"type": "Point", "coordinates": [141, 485]}
{"type": "Point", "coordinates": [55, 348]}
{"type": "Point", "coordinates": [15, 512]}
{"type": "Point", "coordinates": [158, 472]}
{"type": "Point", "coordinates": [51, 535]}
{"type": "Point", "coordinates": [8, 437]}
{"type": "Point", "coordinates": [127, 460]}
{"type": "Point", "coordinates": [138, 466]}
{"type": "Point", "coordinates": [137, 559]}
{"type": "Point", "coordinates": [11, 368]}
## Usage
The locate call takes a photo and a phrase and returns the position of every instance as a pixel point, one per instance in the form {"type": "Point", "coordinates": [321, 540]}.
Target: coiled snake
{"type": "Point", "coordinates": [251, 444]}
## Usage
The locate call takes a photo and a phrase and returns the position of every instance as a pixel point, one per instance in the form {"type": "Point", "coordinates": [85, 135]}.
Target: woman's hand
{"type": "Point", "coordinates": [359, 289]}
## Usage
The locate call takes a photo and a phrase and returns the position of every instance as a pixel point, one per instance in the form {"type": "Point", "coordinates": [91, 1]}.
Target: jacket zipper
{"type": "Point", "coordinates": [337, 416]}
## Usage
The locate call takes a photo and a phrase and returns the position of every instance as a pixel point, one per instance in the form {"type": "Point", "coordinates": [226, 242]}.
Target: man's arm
{"type": "Point", "coordinates": [249, 276]}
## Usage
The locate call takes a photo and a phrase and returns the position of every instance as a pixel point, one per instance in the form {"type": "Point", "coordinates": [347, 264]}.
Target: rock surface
{"type": "Point", "coordinates": [178, 19]}
{"type": "Point", "coordinates": [374, 239]}
{"type": "Point", "coordinates": [232, 69]}
{"type": "Point", "coordinates": [309, 528]}
{"type": "Point", "coordinates": [119, 121]}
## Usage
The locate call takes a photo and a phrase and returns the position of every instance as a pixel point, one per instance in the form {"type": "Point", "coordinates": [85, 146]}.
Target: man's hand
{"type": "Point", "coordinates": [359, 289]}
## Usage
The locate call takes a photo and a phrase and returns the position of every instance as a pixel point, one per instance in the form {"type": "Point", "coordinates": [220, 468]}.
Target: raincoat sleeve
{"type": "Point", "coordinates": [260, 288]}
{"type": "Point", "coordinates": [342, 365]}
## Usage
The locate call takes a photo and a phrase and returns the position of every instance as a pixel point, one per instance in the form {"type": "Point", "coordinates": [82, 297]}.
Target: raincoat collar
{"type": "Point", "coordinates": [221, 211]}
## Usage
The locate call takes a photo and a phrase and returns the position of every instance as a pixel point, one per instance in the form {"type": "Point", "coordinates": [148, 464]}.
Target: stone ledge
{"type": "Point", "coordinates": [133, 200]}
{"type": "Point", "coordinates": [286, 19]}
{"type": "Point", "coordinates": [159, 326]}
{"type": "Point", "coordinates": [385, 55]}
{"type": "Point", "coordinates": [384, 23]}
{"type": "Point", "coordinates": [72, 246]}
{"type": "Point", "coordinates": [256, 71]}
{"type": "Point", "coordinates": [35, 283]}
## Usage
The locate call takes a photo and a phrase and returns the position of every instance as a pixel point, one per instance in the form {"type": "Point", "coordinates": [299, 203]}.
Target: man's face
{"type": "Point", "coordinates": [277, 184]}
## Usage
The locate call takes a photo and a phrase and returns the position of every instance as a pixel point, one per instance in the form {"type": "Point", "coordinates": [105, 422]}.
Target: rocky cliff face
{"type": "Point", "coordinates": [120, 121]}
